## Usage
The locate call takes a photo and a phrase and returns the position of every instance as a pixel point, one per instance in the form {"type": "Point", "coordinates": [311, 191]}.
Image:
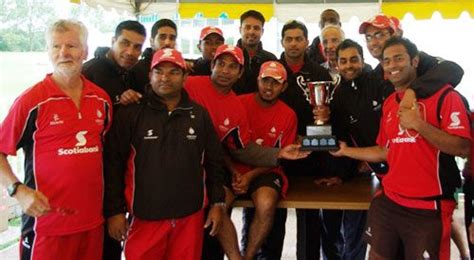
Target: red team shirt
{"type": "Point", "coordinates": [63, 152]}
{"type": "Point", "coordinates": [414, 163]}
{"type": "Point", "coordinates": [273, 126]}
{"type": "Point", "coordinates": [227, 113]}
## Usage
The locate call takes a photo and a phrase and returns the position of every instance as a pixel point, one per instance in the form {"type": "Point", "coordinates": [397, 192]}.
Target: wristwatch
{"type": "Point", "coordinates": [219, 204]}
{"type": "Point", "coordinates": [12, 188]}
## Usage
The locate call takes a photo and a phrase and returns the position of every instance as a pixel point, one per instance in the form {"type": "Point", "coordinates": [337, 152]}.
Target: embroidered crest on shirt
{"type": "Point", "coordinates": [272, 132]}
{"type": "Point", "coordinates": [224, 127]}
{"type": "Point", "coordinates": [191, 134]}
{"type": "Point", "coordinates": [376, 105]}
{"type": "Point", "coordinates": [99, 120]}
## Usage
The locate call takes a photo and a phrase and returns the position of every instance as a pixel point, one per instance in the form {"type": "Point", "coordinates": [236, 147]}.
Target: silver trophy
{"type": "Point", "coordinates": [319, 136]}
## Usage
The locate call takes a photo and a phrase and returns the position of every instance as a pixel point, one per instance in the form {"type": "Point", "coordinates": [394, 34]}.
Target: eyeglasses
{"type": "Point", "coordinates": [376, 36]}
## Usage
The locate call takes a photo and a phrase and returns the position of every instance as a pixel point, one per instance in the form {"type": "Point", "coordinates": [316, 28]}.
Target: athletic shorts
{"type": "Point", "coordinates": [423, 233]}
{"type": "Point", "coordinates": [83, 245]}
{"type": "Point", "coordinates": [270, 179]}
{"type": "Point", "coordinates": [171, 239]}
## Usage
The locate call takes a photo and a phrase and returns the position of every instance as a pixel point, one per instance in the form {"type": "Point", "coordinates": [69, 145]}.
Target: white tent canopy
{"type": "Point", "coordinates": [283, 12]}
{"type": "Point", "coordinates": [310, 12]}
{"type": "Point", "coordinates": [162, 9]}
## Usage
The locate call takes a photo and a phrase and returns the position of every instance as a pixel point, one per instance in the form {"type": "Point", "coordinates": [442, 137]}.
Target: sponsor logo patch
{"type": "Point", "coordinates": [149, 135]}
{"type": "Point", "coordinates": [80, 147]}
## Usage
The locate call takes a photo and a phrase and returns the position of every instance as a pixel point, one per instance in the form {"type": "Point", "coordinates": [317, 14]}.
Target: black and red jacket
{"type": "Point", "coordinates": [247, 83]}
{"type": "Point", "coordinates": [158, 163]}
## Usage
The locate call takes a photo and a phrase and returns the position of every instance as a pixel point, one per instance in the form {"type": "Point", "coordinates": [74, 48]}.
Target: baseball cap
{"type": "Point", "coordinates": [379, 21]}
{"type": "Point", "coordinates": [396, 23]}
{"type": "Point", "coordinates": [210, 30]}
{"type": "Point", "coordinates": [273, 69]}
{"type": "Point", "coordinates": [170, 55]}
{"type": "Point", "coordinates": [235, 51]}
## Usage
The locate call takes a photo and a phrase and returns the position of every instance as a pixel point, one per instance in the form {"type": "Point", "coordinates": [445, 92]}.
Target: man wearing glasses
{"type": "Point", "coordinates": [432, 71]}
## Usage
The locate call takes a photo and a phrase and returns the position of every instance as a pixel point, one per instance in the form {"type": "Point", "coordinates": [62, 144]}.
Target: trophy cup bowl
{"type": "Point", "coordinates": [319, 136]}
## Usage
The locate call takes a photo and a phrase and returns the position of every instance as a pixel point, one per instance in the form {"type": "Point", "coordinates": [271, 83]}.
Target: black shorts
{"type": "Point", "coordinates": [421, 232]}
{"type": "Point", "coordinates": [270, 179]}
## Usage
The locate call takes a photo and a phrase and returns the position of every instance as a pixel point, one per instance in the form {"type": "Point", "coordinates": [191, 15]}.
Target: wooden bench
{"type": "Point", "coordinates": [304, 194]}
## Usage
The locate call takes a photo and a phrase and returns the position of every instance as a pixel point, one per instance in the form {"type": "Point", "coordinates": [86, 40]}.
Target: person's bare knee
{"type": "Point", "coordinates": [265, 200]}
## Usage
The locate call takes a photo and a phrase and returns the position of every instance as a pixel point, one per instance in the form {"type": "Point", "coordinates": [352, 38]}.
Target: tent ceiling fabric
{"type": "Point", "coordinates": [424, 10]}
{"type": "Point", "coordinates": [231, 10]}
{"type": "Point", "coordinates": [163, 10]}
{"type": "Point", "coordinates": [284, 12]}
{"type": "Point", "coordinates": [310, 12]}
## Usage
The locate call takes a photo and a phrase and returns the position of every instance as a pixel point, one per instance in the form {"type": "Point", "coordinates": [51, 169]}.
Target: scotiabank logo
{"type": "Point", "coordinates": [455, 121]}
{"type": "Point", "coordinates": [80, 147]}
{"type": "Point", "coordinates": [81, 139]}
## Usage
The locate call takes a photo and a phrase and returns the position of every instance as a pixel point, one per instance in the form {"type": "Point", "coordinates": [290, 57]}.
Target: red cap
{"type": "Point", "coordinates": [210, 30]}
{"type": "Point", "coordinates": [396, 23]}
{"type": "Point", "coordinates": [379, 21]}
{"type": "Point", "coordinates": [170, 55]}
{"type": "Point", "coordinates": [273, 69]}
{"type": "Point", "coordinates": [235, 51]}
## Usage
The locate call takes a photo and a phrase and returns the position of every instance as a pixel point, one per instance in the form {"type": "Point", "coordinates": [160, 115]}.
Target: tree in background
{"type": "Point", "coordinates": [23, 22]}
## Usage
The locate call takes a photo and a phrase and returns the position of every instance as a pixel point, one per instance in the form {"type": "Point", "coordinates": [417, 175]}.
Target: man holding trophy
{"type": "Point", "coordinates": [301, 70]}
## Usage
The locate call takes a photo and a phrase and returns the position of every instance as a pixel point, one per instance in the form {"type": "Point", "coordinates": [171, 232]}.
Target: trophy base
{"type": "Point", "coordinates": [316, 130]}
{"type": "Point", "coordinates": [319, 143]}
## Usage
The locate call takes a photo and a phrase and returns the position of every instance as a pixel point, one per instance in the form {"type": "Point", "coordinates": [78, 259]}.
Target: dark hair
{"type": "Point", "coordinates": [130, 25]}
{"type": "Point", "coordinates": [331, 11]}
{"type": "Point", "coordinates": [411, 48]}
{"type": "Point", "coordinates": [254, 14]}
{"type": "Point", "coordinates": [293, 24]}
{"type": "Point", "coordinates": [162, 23]}
{"type": "Point", "coordinates": [348, 43]}
{"type": "Point", "coordinates": [328, 11]}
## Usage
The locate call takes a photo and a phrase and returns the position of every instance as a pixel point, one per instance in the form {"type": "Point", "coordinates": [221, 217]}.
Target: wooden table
{"type": "Point", "coordinates": [303, 193]}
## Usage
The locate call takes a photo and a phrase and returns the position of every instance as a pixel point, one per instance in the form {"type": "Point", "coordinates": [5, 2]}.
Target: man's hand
{"type": "Point", "coordinates": [342, 150]}
{"type": "Point", "coordinates": [214, 219]}
{"type": "Point", "coordinates": [471, 233]}
{"type": "Point", "coordinates": [321, 114]}
{"type": "Point", "coordinates": [292, 152]}
{"type": "Point", "coordinates": [409, 98]}
{"type": "Point", "coordinates": [410, 118]}
{"type": "Point", "coordinates": [130, 96]}
{"type": "Point", "coordinates": [33, 203]}
{"type": "Point", "coordinates": [331, 181]}
{"type": "Point", "coordinates": [241, 185]}
{"type": "Point", "coordinates": [118, 226]}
